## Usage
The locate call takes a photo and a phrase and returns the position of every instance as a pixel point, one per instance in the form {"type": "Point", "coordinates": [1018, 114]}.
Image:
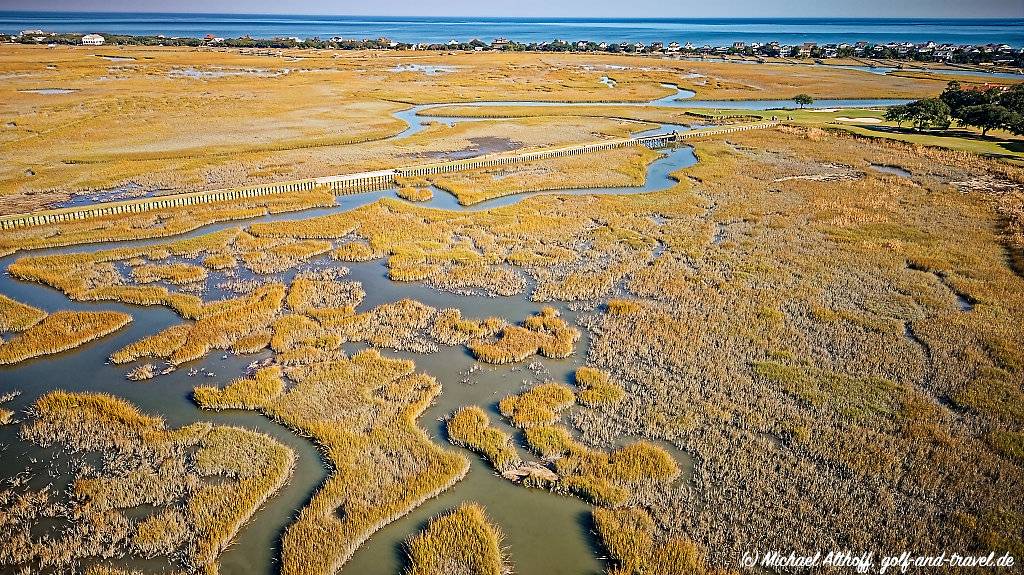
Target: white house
{"type": "Point", "coordinates": [92, 40]}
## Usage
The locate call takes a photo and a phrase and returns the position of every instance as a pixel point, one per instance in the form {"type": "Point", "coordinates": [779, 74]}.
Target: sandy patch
{"type": "Point", "coordinates": [859, 120]}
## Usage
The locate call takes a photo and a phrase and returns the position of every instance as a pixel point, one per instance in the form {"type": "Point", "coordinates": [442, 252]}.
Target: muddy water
{"type": "Point", "coordinates": [545, 533]}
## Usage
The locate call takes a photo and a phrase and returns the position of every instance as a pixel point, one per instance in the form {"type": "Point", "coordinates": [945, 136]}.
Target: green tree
{"type": "Point", "coordinates": [957, 98]}
{"type": "Point", "coordinates": [803, 100]}
{"type": "Point", "coordinates": [898, 114]}
{"type": "Point", "coordinates": [1013, 100]}
{"type": "Point", "coordinates": [986, 117]}
{"type": "Point", "coordinates": [929, 113]}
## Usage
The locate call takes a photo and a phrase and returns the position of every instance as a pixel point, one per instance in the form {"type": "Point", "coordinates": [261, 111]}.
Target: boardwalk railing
{"type": "Point", "coordinates": [349, 183]}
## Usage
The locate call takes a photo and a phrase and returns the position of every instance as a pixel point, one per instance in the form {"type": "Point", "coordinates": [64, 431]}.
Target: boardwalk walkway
{"type": "Point", "coordinates": [352, 183]}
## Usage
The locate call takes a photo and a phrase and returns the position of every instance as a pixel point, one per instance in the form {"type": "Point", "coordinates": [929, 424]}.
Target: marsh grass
{"type": "Point", "coordinates": [220, 325]}
{"type": "Point", "coordinates": [415, 194]}
{"type": "Point", "coordinates": [545, 333]}
{"type": "Point", "coordinates": [172, 273]}
{"type": "Point", "coordinates": [801, 350]}
{"type": "Point", "coordinates": [609, 168]}
{"type": "Point", "coordinates": [470, 427]}
{"type": "Point", "coordinates": [630, 536]}
{"type": "Point", "coordinates": [353, 252]}
{"type": "Point", "coordinates": [452, 329]}
{"type": "Point", "coordinates": [596, 387]}
{"type": "Point", "coordinates": [537, 406]}
{"type": "Point", "coordinates": [362, 412]}
{"type": "Point", "coordinates": [16, 316]}
{"type": "Point", "coordinates": [144, 464]}
{"type": "Point", "coordinates": [309, 295]}
{"type": "Point", "coordinates": [61, 331]}
{"type": "Point", "coordinates": [460, 541]}
{"type": "Point", "coordinates": [278, 258]}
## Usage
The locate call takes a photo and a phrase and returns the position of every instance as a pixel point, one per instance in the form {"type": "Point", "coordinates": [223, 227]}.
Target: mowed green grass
{"type": "Point", "coordinates": [997, 143]}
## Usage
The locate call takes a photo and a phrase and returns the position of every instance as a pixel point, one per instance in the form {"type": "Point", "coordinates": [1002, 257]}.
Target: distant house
{"type": "Point", "coordinates": [93, 40]}
{"type": "Point", "coordinates": [673, 47]}
{"type": "Point", "coordinates": [738, 45]}
{"type": "Point", "coordinates": [499, 43]}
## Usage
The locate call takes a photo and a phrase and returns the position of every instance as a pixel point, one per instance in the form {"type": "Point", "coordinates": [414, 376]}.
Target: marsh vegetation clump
{"type": "Point", "coordinates": [158, 345]}
{"type": "Point", "coordinates": [470, 427]}
{"type": "Point", "coordinates": [597, 388]}
{"type": "Point", "coordinates": [545, 333]}
{"type": "Point", "coordinates": [460, 541]}
{"type": "Point", "coordinates": [94, 276]}
{"type": "Point", "coordinates": [219, 325]}
{"type": "Point", "coordinates": [142, 372]}
{"type": "Point", "coordinates": [177, 273]}
{"type": "Point", "coordinates": [310, 296]}
{"type": "Point", "coordinates": [17, 316]}
{"type": "Point", "coordinates": [353, 252]}
{"type": "Point", "coordinates": [220, 261]}
{"type": "Point", "coordinates": [6, 415]}
{"type": "Point", "coordinates": [450, 328]}
{"type": "Point", "coordinates": [635, 545]}
{"type": "Point", "coordinates": [245, 393]}
{"type": "Point", "coordinates": [176, 494]}
{"type": "Point", "coordinates": [537, 406]}
{"type": "Point", "coordinates": [401, 325]}
{"type": "Point", "coordinates": [282, 255]}
{"type": "Point", "coordinates": [61, 331]}
{"type": "Point", "coordinates": [415, 194]}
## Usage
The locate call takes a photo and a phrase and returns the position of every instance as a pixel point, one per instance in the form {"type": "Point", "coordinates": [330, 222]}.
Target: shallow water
{"type": "Point", "coordinates": [196, 73]}
{"type": "Point", "coordinates": [893, 170]}
{"type": "Point", "coordinates": [127, 191]}
{"type": "Point", "coordinates": [50, 91]}
{"type": "Point", "coordinates": [790, 105]}
{"type": "Point", "coordinates": [428, 69]}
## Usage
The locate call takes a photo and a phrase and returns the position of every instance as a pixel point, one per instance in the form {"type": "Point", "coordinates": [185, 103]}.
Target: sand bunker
{"type": "Point", "coordinates": [859, 120]}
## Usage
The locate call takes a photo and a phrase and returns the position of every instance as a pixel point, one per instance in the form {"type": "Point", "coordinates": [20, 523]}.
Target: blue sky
{"type": "Point", "coordinates": [571, 8]}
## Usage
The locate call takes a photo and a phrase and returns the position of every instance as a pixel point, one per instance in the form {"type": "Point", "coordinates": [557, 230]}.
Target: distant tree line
{"type": "Point", "coordinates": [998, 107]}
{"type": "Point", "coordinates": [989, 54]}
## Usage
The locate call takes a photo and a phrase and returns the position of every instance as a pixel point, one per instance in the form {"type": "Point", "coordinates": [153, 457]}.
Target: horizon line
{"type": "Point", "coordinates": [585, 18]}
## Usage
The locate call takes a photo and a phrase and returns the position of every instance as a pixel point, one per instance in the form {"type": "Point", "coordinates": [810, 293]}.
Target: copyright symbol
{"type": "Point", "coordinates": [748, 560]}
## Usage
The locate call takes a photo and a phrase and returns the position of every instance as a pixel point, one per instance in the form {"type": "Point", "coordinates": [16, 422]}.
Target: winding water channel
{"type": "Point", "coordinates": [544, 533]}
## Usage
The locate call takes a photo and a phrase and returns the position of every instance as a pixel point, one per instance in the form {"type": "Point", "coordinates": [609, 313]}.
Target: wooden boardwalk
{"type": "Point", "coordinates": [352, 183]}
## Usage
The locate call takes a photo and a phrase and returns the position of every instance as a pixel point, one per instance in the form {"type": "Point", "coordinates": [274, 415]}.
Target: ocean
{"type": "Point", "coordinates": [715, 32]}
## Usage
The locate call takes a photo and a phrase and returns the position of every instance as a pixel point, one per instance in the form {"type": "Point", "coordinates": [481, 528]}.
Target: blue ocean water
{"type": "Point", "coordinates": [714, 32]}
